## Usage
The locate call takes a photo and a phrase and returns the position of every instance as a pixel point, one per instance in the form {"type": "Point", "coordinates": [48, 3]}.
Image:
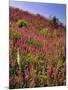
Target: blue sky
{"type": "Point", "coordinates": [45, 9]}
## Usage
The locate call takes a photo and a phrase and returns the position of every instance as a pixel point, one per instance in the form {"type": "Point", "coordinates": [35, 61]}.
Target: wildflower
{"type": "Point", "coordinates": [55, 72]}
{"type": "Point", "coordinates": [26, 73]}
{"type": "Point", "coordinates": [49, 70]}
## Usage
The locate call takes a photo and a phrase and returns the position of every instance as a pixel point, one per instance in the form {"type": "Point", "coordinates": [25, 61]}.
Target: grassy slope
{"type": "Point", "coordinates": [51, 45]}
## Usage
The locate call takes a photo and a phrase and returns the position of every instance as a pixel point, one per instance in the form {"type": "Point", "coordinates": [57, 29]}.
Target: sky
{"type": "Point", "coordinates": [44, 9]}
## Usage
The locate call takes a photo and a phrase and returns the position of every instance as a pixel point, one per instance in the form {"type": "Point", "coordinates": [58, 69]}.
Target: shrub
{"type": "Point", "coordinates": [22, 23]}
{"type": "Point", "coordinates": [44, 31]}
{"type": "Point", "coordinates": [54, 21]}
{"type": "Point", "coordinates": [13, 35]}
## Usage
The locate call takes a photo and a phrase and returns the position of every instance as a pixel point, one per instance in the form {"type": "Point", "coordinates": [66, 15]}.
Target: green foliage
{"type": "Point", "coordinates": [22, 23]}
{"type": "Point", "coordinates": [63, 58]}
{"type": "Point", "coordinates": [29, 57]}
{"type": "Point", "coordinates": [43, 77]}
{"type": "Point", "coordinates": [40, 79]}
{"type": "Point", "coordinates": [42, 59]}
{"type": "Point", "coordinates": [43, 56]}
{"type": "Point", "coordinates": [35, 43]}
{"type": "Point", "coordinates": [37, 81]}
{"type": "Point", "coordinates": [53, 63]}
{"type": "Point", "coordinates": [61, 61]}
{"type": "Point", "coordinates": [44, 31]}
{"type": "Point", "coordinates": [13, 35]}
